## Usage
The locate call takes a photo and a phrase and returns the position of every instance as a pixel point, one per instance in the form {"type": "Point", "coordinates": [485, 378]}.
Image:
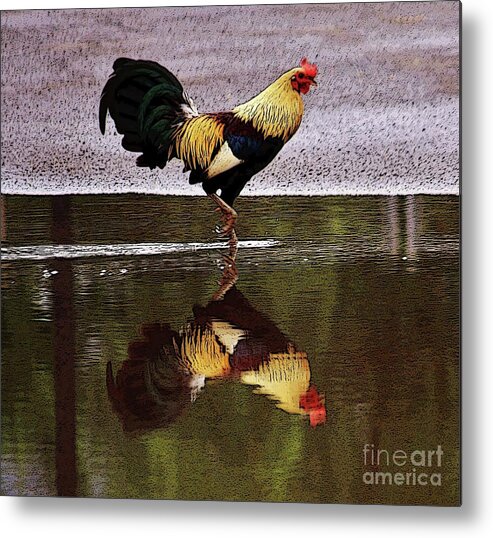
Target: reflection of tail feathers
{"type": "Point", "coordinates": [150, 390]}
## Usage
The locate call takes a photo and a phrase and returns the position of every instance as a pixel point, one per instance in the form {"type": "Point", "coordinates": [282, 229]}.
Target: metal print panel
{"type": "Point", "coordinates": [230, 253]}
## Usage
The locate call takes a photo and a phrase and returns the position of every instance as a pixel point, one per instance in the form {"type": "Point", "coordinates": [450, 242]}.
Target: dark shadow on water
{"type": "Point", "coordinates": [64, 347]}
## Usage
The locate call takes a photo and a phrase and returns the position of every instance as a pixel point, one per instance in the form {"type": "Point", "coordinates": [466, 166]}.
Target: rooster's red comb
{"type": "Point", "coordinates": [310, 70]}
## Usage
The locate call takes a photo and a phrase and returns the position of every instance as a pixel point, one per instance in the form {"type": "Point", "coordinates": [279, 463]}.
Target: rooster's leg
{"type": "Point", "coordinates": [233, 245]}
{"type": "Point", "coordinates": [229, 216]}
{"type": "Point", "coordinates": [229, 277]}
{"type": "Point", "coordinates": [230, 273]}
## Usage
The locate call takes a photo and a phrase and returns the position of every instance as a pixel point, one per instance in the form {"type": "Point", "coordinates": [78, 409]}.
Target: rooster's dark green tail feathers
{"type": "Point", "coordinates": [147, 102]}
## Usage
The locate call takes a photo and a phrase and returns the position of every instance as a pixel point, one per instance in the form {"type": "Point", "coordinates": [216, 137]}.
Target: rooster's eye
{"type": "Point", "coordinates": [301, 75]}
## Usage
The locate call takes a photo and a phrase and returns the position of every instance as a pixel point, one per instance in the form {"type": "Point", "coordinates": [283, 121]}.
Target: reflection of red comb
{"type": "Point", "coordinates": [310, 70]}
{"type": "Point", "coordinates": [310, 399]}
{"type": "Point", "coordinates": [318, 416]}
{"type": "Point", "coordinates": [313, 403]}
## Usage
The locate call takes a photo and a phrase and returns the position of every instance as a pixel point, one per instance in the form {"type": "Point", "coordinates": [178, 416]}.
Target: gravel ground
{"type": "Point", "coordinates": [384, 119]}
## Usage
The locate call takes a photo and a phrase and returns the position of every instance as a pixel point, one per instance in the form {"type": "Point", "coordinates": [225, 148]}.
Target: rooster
{"type": "Point", "coordinates": [222, 150]}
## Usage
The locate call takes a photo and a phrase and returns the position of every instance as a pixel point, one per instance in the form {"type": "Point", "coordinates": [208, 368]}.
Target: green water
{"type": "Point", "coordinates": [366, 288]}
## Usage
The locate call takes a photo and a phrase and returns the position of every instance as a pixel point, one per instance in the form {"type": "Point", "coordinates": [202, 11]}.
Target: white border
{"type": "Point", "coordinates": [85, 517]}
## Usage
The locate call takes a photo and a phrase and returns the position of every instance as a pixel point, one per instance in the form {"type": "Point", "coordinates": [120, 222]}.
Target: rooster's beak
{"type": "Point", "coordinates": [312, 82]}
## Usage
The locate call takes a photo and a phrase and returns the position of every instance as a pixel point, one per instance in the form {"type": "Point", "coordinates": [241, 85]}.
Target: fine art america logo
{"type": "Point", "coordinates": [401, 468]}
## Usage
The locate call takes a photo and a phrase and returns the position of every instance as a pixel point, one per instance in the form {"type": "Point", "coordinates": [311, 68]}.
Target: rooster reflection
{"type": "Point", "coordinates": [227, 339]}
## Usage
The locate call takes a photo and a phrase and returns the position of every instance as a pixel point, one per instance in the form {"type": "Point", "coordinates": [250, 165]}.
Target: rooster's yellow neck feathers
{"type": "Point", "coordinates": [277, 111]}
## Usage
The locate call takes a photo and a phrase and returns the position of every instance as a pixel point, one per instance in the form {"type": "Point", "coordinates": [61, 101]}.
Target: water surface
{"type": "Point", "coordinates": [353, 300]}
